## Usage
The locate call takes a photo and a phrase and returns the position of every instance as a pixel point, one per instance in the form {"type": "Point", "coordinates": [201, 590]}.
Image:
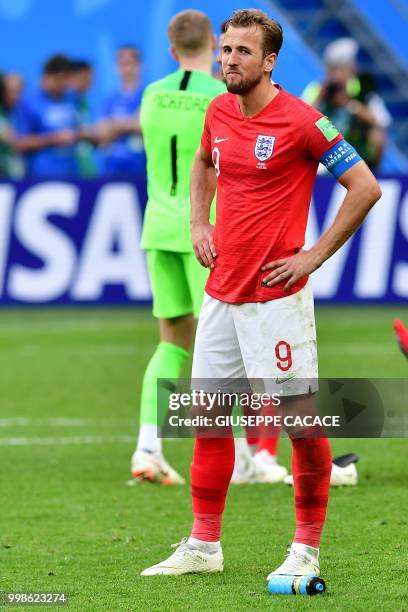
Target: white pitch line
{"type": "Point", "coordinates": [64, 422]}
{"type": "Point", "coordinates": [13, 422]}
{"type": "Point", "coordinates": [361, 348]}
{"type": "Point", "coordinates": [64, 441]}
{"type": "Point", "coordinates": [68, 325]}
{"type": "Point", "coordinates": [53, 422]}
{"type": "Point", "coordinates": [102, 350]}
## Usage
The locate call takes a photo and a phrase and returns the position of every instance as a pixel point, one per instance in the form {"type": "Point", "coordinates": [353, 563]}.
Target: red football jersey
{"type": "Point", "coordinates": [266, 167]}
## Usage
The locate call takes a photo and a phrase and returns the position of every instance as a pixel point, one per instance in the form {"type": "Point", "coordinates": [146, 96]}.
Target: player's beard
{"type": "Point", "coordinates": [245, 85]}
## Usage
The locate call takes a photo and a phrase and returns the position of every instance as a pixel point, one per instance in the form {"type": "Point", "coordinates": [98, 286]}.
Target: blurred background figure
{"type": "Point", "coordinates": [349, 99]}
{"type": "Point", "coordinates": [119, 131]}
{"type": "Point", "coordinates": [81, 79]}
{"type": "Point", "coordinates": [11, 162]}
{"type": "Point", "coordinates": [47, 123]}
{"type": "Point", "coordinates": [402, 336]}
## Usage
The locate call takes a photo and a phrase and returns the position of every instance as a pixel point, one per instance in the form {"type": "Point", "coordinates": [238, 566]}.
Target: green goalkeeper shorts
{"type": "Point", "coordinates": [178, 282]}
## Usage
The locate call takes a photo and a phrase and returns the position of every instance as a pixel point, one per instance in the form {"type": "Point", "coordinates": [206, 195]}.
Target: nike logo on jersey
{"type": "Point", "coordinates": [280, 381]}
{"type": "Point", "coordinates": [216, 139]}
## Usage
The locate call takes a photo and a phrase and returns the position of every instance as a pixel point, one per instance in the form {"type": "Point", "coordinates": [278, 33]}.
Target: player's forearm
{"type": "Point", "coordinates": [357, 203]}
{"type": "Point", "coordinates": [202, 189]}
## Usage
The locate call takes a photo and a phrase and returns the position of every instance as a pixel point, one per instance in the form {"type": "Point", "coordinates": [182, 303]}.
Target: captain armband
{"type": "Point", "coordinates": [340, 158]}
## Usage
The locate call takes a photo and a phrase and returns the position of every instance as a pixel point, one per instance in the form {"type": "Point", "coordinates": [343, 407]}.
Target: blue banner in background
{"type": "Point", "coordinates": [373, 265]}
{"type": "Point", "coordinates": [70, 242]}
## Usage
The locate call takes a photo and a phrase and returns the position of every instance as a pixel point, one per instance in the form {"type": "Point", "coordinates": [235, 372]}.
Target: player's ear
{"type": "Point", "coordinates": [174, 53]}
{"type": "Point", "coordinates": [213, 42]}
{"type": "Point", "coordinates": [270, 61]}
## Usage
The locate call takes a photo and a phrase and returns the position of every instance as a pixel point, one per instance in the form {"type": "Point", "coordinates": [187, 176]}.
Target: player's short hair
{"type": "Point", "coordinates": [224, 26]}
{"type": "Point", "coordinates": [57, 64]}
{"type": "Point", "coordinates": [272, 30]}
{"type": "Point", "coordinates": [190, 32]}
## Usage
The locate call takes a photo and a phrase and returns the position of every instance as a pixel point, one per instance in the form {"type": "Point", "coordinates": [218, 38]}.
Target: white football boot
{"type": "Point", "coordinates": [187, 560]}
{"type": "Point", "coordinates": [267, 469]}
{"type": "Point", "coordinates": [244, 471]}
{"type": "Point", "coordinates": [346, 476]}
{"type": "Point", "coordinates": [260, 468]}
{"type": "Point", "coordinates": [301, 560]}
{"type": "Point", "coordinates": [154, 468]}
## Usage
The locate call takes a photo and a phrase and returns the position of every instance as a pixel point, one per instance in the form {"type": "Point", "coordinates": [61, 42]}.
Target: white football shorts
{"type": "Point", "coordinates": [269, 345]}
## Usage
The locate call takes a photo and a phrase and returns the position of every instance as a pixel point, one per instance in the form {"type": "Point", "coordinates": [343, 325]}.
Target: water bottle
{"type": "Point", "coordinates": [281, 584]}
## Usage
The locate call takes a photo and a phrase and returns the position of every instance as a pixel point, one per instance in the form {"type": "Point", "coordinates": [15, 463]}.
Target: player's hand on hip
{"type": "Point", "coordinates": [203, 244]}
{"type": "Point", "coordinates": [290, 269]}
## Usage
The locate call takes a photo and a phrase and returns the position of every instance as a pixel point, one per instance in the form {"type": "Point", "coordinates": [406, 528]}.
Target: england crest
{"type": "Point", "coordinates": [264, 147]}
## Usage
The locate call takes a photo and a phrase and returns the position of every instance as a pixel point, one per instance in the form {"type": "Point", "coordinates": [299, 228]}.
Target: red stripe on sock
{"type": "Point", "coordinates": [211, 471]}
{"type": "Point", "coordinates": [207, 494]}
{"type": "Point", "coordinates": [311, 501]}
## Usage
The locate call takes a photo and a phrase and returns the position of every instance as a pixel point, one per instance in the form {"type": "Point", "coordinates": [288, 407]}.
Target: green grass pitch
{"type": "Point", "coordinates": [70, 381]}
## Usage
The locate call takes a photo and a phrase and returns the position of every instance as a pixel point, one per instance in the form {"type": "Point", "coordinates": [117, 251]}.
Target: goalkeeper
{"type": "Point", "coordinates": [172, 118]}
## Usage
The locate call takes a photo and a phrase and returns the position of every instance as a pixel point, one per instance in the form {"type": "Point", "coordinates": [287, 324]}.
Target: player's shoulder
{"type": "Point", "coordinates": [222, 101]}
{"type": "Point", "coordinates": [301, 110]}
{"type": "Point", "coordinates": [209, 84]}
{"type": "Point", "coordinates": [161, 84]}
{"type": "Point", "coordinates": [197, 83]}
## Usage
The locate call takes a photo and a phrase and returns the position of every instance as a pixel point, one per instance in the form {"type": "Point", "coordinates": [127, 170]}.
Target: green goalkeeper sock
{"type": "Point", "coordinates": [166, 363]}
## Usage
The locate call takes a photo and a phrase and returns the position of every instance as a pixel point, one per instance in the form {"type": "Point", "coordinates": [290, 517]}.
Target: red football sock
{"type": "Point", "coordinates": [206, 527]}
{"type": "Point", "coordinates": [269, 444]}
{"type": "Point", "coordinates": [269, 436]}
{"type": "Point", "coordinates": [311, 465]}
{"type": "Point", "coordinates": [211, 471]}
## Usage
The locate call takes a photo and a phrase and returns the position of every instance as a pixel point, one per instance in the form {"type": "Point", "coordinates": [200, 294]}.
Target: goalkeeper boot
{"type": "Point", "coordinates": [154, 468]}
{"type": "Point", "coordinates": [187, 559]}
{"type": "Point", "coordinates": [301, 560]}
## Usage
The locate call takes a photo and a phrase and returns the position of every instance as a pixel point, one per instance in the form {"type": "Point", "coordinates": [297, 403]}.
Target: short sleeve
{"type": "Point", "coordinates": [324, 143]}
{"type": "Point", "coordinates": [320, 134]}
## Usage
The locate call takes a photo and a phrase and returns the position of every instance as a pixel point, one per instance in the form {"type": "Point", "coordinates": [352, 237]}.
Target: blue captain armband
{"type": "Point", "coordinates": [339, 158]}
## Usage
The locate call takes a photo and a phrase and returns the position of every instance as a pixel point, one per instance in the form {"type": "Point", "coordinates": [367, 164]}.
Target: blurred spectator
{"type": "Point", "coordinates": [11, 88]}
{"type": "Point", "coordinates": [119, 130]}
{"type": "Point", "coordinates": [81, 82]}
{"type": "Point", "coordinates": [350, 101]}
{"type": "Point", "coordinates": [48, 122]}
{"type": "Point", "coordinates": [81, 76]}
